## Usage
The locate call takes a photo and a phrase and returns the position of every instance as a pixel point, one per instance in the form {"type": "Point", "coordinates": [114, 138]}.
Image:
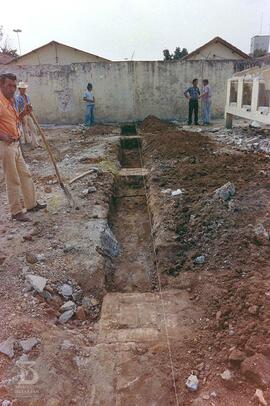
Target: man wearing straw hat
{"type": "Point", "coordinates": [29, 130]}
{"type": "Point", "coordinates": [17, 176]}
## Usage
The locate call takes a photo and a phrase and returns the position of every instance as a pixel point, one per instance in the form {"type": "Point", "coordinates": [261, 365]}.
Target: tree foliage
{"type": "Point", "coordinates": [167, 55]}
{"type": "Point", "coordinates": [5, 46]}
{"type": "Point", "coordinates": [176, 55]}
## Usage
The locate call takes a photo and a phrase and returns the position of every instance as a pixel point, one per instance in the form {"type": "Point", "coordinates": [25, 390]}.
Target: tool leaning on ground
{"type": "Point", "coordinates": [43, 136]}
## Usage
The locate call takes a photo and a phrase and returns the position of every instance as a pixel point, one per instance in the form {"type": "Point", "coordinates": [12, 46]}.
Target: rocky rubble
{"type": "Point", "coordinates": [59, 295]}
{"type": "Point", "coordinates": [244, 138]}
{"type": "Point", "coordinates": [9, 346]}
{"type": "Point", "coordinates": [223, 218]}
{"type": "Point", "coordinates": [212, 246]}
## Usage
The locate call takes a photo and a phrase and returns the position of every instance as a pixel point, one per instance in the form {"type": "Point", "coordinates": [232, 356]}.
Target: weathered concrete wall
{"type": "Point", "coordinates": [124, 91]}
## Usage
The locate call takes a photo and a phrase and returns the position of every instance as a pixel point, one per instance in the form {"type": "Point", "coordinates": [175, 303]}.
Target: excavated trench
{"type": "Point", "coordinates": [134, 269]}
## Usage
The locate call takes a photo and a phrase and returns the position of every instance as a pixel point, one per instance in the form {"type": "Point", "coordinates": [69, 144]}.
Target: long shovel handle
{"type": "Point", "coordinates": [43, 136]}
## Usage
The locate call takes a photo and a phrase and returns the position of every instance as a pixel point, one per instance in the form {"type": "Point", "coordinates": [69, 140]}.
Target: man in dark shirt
{"type": "Point", "coordinates": [192, 94]}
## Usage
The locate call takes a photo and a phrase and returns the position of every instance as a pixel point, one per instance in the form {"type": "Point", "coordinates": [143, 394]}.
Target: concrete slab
{"type": "Point", "coordinates": [131, 137]}
{"type": "Point", "coordinates": [116, 374]}
{"type": "Point", "coordinates": [138, 317]}
{"type": "Point", "coordinates": [133, 172]}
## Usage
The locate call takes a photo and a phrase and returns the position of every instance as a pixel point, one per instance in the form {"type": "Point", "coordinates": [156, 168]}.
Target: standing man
{"type": "Point", "coordinates": [29, 129]}
{"type": "Point", "coordinates": [206, 102]}
{"type": "Point", "coordinates": [192, 94]}
{"type": "Point", "coordinates": [90, 106]}
{"type": "Point", "coordinates": [17, 176]}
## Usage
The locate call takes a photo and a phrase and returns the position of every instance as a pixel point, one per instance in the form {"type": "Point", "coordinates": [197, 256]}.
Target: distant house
{"type": "Point", "coordinates": [216, 49]}
{"type": "Point", "coordinates": [263, 60]}
{"type": "Point", "coordinates": [56, 53]}
{"type": "Point", "coordinates": [4, 59]}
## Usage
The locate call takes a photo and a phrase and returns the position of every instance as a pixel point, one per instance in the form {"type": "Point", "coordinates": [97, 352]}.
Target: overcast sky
{"type": "Point", "coordinates": [116, 28]}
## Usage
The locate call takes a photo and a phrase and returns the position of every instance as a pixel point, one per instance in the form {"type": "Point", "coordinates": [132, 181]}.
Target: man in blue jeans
{"type": "Point", "coordinates": [90, 106]}
{"type": "Point", "coordinates": [192, 94]}
{"type": "Point", "coordinates": [206, 102]}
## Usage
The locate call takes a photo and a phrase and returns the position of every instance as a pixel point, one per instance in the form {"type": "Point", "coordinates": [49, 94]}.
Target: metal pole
{"type": "Point", "coordinates": [17, 32]}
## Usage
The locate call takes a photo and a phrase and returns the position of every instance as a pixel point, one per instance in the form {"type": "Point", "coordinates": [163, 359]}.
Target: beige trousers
{"type": "Point", "coordinates": [18, 178]}
{"type": "Point", "coordinates": [29, 131]}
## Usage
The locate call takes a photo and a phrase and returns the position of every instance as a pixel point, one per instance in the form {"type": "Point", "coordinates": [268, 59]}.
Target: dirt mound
{"type": "Point", "coordinates": [152, 124]}
{"type": "Point", "coordinates": [218, 248]}
{"type": "Point", "coordinates": [100, 129]}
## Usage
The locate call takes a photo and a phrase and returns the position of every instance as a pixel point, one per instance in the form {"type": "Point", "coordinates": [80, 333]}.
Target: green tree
{"type": "Point", "coordinates": [176, 56]}
{"type": "Point", "coordinates": [184, 52]}
{"type": "Point", "coordinates": [179, 54]}
{"type": "Point", "coordinates": [167, 55]}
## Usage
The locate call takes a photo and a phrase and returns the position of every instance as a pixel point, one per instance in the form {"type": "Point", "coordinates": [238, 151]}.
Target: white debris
{"type": "Point", "coordinates": [28, 344]}
{"type": "Point", "coordinates": [199, 260]}
{"type": "Point", "coordinates": [260, 397]}
{"type": "Point", "coordinates": [177, 192]}
{"type": "Point", "coordinates": [38, 283]}
{"type": "Point", "coordinates": [260, 231]}
{"type": "Point", "coordinates": [226, 375]}
{"type": "Point", "coordinates": [41, 257]}
{"type": "Point", "coordinates": [191, 129]}
{"type": "Point", "coordinates": [225, 192]}
{"type": "Point", "coordinates": [6, 403]}
{"type": "Point", "coordinates": [66, 290]}
{"type": "Point", "coordinates": [66, 316]}
{"type": "Point", "coordinates": [255, 124]}
{"type": "Point", "coordinates": [7, 347]}
{"type": "Point", "coordinates": [68, 306]}
{"type": "Point", "coordinates": [67, 345]}
{"type": "Point", "coordinates": [192, 383]}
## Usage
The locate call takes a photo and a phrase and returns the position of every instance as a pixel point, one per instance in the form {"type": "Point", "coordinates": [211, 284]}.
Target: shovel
{"type": "Point", "coordinates": [60, 181]}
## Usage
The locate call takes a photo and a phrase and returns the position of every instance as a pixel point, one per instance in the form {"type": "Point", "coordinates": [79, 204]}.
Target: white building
{"type": "Point", "coordinates": [248, 96]}
{"type": "Point", "coordinates": [216, 49]}
{"type": "Point", "coordinates": [56, 53]}
{"type": "Point", "coordinates": [259, 42]}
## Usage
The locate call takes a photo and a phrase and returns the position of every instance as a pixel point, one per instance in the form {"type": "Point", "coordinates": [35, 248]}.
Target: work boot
{"type": "Point", "coordinates": [37, 207]}
{"type": "Point", "coordinates": [20, 217]}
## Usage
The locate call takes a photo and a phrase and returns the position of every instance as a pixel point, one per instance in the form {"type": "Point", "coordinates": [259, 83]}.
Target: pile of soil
{"type": "Point", "coordinates": [232, 284]}
{"type": "Point", "coordinates": [100, 129]}
{"type": "Point", "coordinates": [152, 124]}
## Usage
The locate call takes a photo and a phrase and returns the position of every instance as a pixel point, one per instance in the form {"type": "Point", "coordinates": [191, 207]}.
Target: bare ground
{"type": "Point", "coordinates": [134, 336]}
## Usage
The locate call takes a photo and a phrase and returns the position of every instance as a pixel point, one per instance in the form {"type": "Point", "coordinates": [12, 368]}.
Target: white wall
{"type": "Point", "coordinates": [124, 91]}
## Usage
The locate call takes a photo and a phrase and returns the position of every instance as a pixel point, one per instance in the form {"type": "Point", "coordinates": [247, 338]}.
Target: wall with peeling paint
{"type": "Point", "coordinates": [124, 91]}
